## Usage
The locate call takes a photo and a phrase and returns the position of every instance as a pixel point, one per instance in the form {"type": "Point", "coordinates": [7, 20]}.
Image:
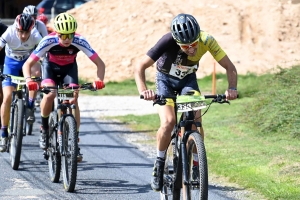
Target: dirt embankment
{"type": "Point", "coordinates": [256, 35]}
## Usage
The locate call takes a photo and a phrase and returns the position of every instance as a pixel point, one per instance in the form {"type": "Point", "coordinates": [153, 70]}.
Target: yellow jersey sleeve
{"type": "Point", "coordinates": [208, 43]}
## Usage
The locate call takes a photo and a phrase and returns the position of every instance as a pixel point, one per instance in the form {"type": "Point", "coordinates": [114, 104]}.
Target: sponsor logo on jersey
{"type": "Point", "coordinates": [216, 51]}
{"type": "Point", "coordinates": [70, 51]}
{"type": "Point", "coordinates": [83, 43]}
{"type": "Point", "coordinates": [45, 43]}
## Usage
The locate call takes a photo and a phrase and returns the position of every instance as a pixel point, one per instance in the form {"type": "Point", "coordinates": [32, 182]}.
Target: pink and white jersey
{"type": "Point", "coordinates": [14, 48]}
{"type": "Point", "coordinates": [62, 55]}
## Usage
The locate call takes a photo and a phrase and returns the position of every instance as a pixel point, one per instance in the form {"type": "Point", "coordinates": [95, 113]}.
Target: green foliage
{"type": "Point", "coordinates": [252, 141]}
{"type": "Point", "coordinates": [275, 109]}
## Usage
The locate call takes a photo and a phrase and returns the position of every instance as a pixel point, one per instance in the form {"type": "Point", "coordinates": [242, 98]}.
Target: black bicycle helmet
{"type": "Point", "coordinates": [185, 28]}
{"type": "Point", "coordinates": [24, 22]}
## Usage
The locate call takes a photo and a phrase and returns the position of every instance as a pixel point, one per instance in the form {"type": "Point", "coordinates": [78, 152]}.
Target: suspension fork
{"type": "Point", "coordinates": [12, 111]}
{"type": "Point", "coordinates": [183, 145]}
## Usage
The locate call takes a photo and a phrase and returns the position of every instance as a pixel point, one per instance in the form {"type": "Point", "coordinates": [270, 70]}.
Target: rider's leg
{"type": "Point", "coordinates": [1, 97]}
{"type": "Point", "coordinates": [1, 91]}
{"type": "Point", "coordinates": [5, 114]}
{"type": "Point", "coordinates": [163, 137]}
{"type": "Point", "coordinates": [35, 71]}
{"type": "Point", "coordinates": [167, 122]}
{"type": "Point", "coordinates": [46, 108]}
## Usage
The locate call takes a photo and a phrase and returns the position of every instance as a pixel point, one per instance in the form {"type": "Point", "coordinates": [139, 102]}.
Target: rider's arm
{"type": "Point", "coordinates": [139, 74]}
{"type": "Point", "coordinates": [230, 71]}
{"type": "Point", "coordinates": [41, 28]}
{"type": "Point", "coordinates": [100, 68]}
{"type": "Point", "coordinates": [27, 67]}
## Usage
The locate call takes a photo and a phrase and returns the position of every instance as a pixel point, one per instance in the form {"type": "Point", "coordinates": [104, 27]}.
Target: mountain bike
{"type": "Point", "coordinates": [18, 126]}
{"type": "Point", "coordinates": [62, 141]}
{"type": "Point", "coordinates": [187, 142]}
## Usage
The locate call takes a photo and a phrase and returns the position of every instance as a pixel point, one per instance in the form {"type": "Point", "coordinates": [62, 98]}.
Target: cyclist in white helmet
{"type": "Point", "coordinates": [42, 29]}
{"type": "Point", "coordinates": [39, 25]}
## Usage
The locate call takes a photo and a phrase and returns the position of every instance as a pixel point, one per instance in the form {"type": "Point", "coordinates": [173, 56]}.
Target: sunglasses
{"type": "Point", "coordinates": [187, 46]}
{"type": "Point", "coordinates": [65, 36]}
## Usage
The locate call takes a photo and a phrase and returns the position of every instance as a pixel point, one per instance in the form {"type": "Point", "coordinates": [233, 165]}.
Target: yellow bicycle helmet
{"type": "Point", "coordinates": [65, 23]}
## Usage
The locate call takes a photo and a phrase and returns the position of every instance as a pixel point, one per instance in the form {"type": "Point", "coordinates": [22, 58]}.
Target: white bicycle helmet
{"type": "Point", "coordinates": [31, 10]}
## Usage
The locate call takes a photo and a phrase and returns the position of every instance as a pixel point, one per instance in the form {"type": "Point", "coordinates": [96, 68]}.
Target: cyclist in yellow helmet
{"type": "Point", "coordinates": [59, 65]}
{"type": "Point", "coordinates": [177, 55]}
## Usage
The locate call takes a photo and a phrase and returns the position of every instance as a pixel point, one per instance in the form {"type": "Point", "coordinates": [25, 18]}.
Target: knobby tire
{"type": "Point", "coordinates": [200, 192]}
{"type": "Point", "coordinates": [69, 160]}
{"type": "Point", "coordinates": [16, 139]}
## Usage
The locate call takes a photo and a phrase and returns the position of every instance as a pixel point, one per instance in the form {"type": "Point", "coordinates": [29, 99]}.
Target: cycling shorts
{"type": "Point", "coordinates": [12, 67]}
{"type": "Point", "coordinates": [54, 73]}
{"type": "Point", "coordinates": [168, 85]}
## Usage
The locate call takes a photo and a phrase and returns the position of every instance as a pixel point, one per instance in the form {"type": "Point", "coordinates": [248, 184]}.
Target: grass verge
{"type": "Point", "coordinates": [254, 142]}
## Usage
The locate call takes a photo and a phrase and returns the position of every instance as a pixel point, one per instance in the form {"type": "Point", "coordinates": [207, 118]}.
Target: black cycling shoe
{"type": "Point", "coordinates": [158, 175]}
{"type": "Point", "coordinates": [30, 115]}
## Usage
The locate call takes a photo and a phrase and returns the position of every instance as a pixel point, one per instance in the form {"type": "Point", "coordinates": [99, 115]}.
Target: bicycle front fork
{"type": "Point", "coordinates": [183, 147]}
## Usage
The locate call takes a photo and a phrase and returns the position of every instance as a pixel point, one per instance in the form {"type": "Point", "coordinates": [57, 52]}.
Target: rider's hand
{"type": "Point", "coordinates": [32, 85]}
{"type": "Point", "coordinates": [98, 85]}
{"type": "Point", "coordinates": [231, 94]}
{"type": "Point", "coordinates": [148, 94]}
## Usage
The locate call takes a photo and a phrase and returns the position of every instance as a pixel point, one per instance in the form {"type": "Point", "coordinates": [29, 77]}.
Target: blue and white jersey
{"type": "Point", "coordinates": [14, 48]}
{"type": "Point", "coordinates": [60, 54]}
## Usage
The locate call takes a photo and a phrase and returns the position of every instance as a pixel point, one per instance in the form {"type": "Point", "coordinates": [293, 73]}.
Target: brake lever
{"type": "Point", "coordinates": [224, 101]}
{"type": "Point", "coordinates": [160, 102]}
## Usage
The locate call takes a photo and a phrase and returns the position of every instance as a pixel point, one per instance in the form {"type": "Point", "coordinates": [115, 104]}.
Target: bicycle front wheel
{"type": "Point", "coordinates": [16, 134]}
{"type": "Point", "coordinates": [70, 148]}
{"type": "Point", "coordinates": [197, 175]}
{"type": "Point", "coordinates": [54, 159]}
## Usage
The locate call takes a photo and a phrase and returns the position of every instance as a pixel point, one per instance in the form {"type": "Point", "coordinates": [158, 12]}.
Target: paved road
{"type": "Point", "coordinates": [112, 168]}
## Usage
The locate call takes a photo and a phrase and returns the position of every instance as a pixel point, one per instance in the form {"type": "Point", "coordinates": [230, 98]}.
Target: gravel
{"type": "Point", "coordinates": [101, 106]}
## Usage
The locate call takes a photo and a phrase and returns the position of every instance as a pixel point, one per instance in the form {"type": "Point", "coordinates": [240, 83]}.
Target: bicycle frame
{"type": "Point", "coordinates": [184, 142]}
{"type": "Point", "coordinates": [63, 115]}
{"type": "Point", "coordinates": [184, 125]}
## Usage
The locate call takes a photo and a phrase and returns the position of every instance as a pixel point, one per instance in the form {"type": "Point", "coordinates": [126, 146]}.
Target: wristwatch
{"type": "Point", "coordinates": [232, 88]}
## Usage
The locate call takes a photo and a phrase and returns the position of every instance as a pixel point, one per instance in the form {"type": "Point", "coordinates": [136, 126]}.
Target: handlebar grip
{"type": "Point", "coordinates": [222, 96]}
{"type": "Point", "coordinates": [156, 96]}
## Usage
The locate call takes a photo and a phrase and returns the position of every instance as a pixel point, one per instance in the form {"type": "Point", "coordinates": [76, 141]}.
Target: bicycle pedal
{"type": "Point", "coordinates": [79, 159]}
{"type": "Point", "coordinates": [46, 156]}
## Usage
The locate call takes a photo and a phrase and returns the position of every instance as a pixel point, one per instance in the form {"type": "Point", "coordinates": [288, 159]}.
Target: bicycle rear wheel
{"type": "Point", "coordinates": [54, 159]}
{"type": "Point", "coordinates": [198, 187]}
{"type": "Point", "coordinates": [177, 168]}
{"type": "Point", "coordinates": [70, 148]}
{"type": "Point", "coordinates": [16, 134]}
{"type": "Point", "coordinates": [29, 129]}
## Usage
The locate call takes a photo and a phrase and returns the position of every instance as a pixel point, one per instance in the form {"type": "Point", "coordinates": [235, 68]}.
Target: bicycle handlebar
{"type": "Point", "coordinates": [216, 96]}
{"type": "Point", "coordinates": [84, 86]}
{"type": "Point", "coordinates": [20, 78]}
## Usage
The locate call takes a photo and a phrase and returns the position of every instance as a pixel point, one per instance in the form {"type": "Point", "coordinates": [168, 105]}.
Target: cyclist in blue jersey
{"type": "Point", "coordinates": [177, 56]}
{"type": "Point", "coordinates": [60, 49]}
